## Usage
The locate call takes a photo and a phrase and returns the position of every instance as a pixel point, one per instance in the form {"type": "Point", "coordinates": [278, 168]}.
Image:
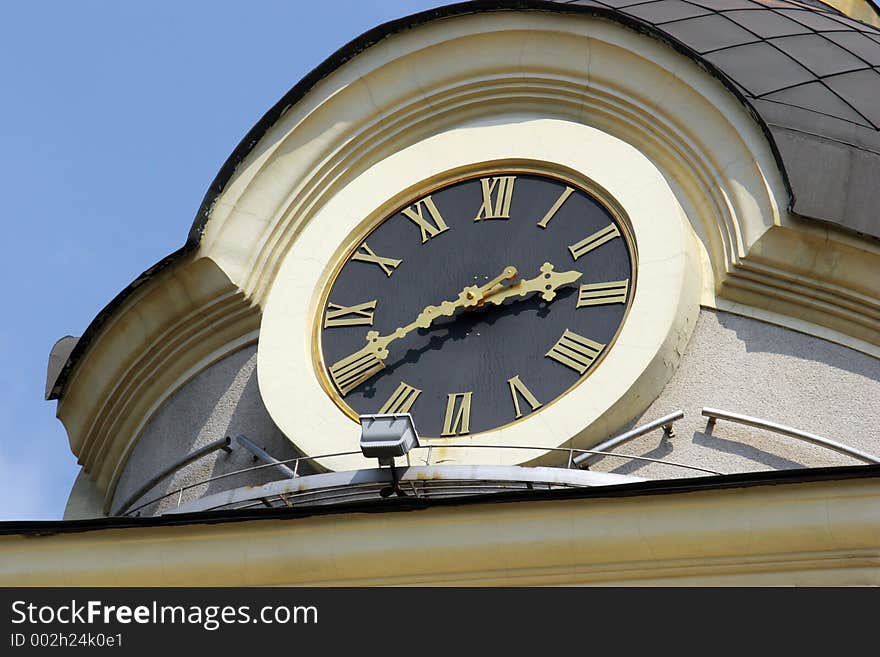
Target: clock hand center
{"type": "Point", "coordinates": [369, 360]}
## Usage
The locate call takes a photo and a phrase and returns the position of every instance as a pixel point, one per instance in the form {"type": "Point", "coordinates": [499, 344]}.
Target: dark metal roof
{"type": "Point", "coordinates": [813, 76]}
{"type": "Point", "coordinates": [808, 74]}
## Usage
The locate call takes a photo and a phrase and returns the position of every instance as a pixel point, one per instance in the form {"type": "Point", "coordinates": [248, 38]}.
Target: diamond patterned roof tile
{"type": "Point", "coordinates": [664, 11]}
{"type": "Point", "coordinates": [712, 32]}
{"type": "Point", "coordinates": [760, 67]}
{"type": "Point", "coordinates": [766, 24]}
{"type": "Point", "coordinates": [820, 99]}
{"type": "Point", "coordinates": [860, 89]}
{"type": "Point", "coordinates": [859, 45]}
{"type": "Point", "coordinates": [819, 55]}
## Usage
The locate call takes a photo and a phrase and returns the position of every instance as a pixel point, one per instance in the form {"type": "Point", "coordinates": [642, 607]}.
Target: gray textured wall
{"type": "Point", "coordinates": [753, 368]}
{"type": "Point", "coordinates": [734, 363]}
{"type": "Point", "coordinates": [223, 400]}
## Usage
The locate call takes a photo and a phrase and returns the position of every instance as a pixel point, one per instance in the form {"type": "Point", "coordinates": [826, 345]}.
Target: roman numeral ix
{"type": "Point", "coordinates": [357, 315]}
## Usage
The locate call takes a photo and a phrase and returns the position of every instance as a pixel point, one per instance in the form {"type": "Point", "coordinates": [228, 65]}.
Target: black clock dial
{"type": "Point", "coordinates": [477, 305]}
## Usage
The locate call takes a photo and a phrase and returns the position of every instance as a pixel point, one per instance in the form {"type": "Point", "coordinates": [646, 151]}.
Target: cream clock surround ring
{"type": "Point", "coordinates": [533, 295]}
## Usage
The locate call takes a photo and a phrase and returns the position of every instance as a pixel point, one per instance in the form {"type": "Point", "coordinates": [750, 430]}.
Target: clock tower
{"type": "Point", "coordinates": [618, 262]}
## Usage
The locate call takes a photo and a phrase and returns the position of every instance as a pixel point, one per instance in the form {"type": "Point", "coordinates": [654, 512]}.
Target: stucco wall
{"type": "Point", "coordinates": [732, 362]}
{"type": "Point", "coordinates": [753, 368]}
{"type": "Point", "coordinates": [223, 400]}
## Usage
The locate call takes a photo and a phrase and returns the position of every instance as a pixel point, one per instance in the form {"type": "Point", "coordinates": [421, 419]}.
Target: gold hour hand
{"type": "Point", "coordinates": [353, 370]}
{"type": "Point", "coordinates": [546, 283]}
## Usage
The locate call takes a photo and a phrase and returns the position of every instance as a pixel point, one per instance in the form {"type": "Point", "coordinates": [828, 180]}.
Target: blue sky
{"type": "Point", "coordinates": [115, 118]}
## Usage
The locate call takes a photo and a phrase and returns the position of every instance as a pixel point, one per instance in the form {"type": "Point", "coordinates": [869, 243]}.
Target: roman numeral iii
{"type": "Point", "coordinates": [599, 294]}
{"type": "Point", "coordinates": [517, 386]}
{"type": "Point", "coordinates": [497, 196]}
{"type": "Point", "coordinates": [357, 315]}
{"type": "Point", "coordinates": [415, 213]}
{"type": "Point", "coordinates": [401, 400]}
{"type": "Point", "coordinates": [594, 241]}
{"type": "Point", "coordinates": [457, 423]}
{"type": "Point", "coordinates": [388, 265]}
{"type": "Point", "coordinates": [575, 351]}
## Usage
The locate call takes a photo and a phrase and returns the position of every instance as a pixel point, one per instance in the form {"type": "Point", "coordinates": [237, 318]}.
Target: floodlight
{"type": "Point", "coordinates": [385, 436]}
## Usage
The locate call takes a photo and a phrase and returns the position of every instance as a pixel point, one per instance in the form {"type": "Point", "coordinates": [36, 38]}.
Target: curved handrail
{"type": "Point", "coordinates": [715, 414]}
{"type": "Point", "coordinates": [584, 460]}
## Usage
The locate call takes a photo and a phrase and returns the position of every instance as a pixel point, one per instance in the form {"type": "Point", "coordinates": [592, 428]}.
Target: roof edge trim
{"type": "Point", "coordinates": [40, 528]}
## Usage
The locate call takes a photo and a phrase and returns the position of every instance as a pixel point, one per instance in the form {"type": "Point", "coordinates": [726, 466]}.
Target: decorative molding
{"type": "Point", "coordinates": [163, 336]}
{"type": "Point", "coordinates": [814, 275]}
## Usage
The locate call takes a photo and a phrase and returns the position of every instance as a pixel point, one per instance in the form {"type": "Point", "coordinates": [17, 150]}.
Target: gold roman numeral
{"type": "Point", "coordinates": [456, 424]}
{"type": "Point", "coordinates": [599, 294]}
{"type": "Point", "coordinates": [595, 240]}
{"type": "Point", "coordinates": [388, 265]}
{"type": "Point", "coordinates": [353, 370]}
{"type": "Point", "coordinates": [575, 351]}
{"type": "Point", "coordinates": [416, 215]}
{"type": "Point", "coordinates": [360, 314]}
{"type": "Point", "coordinates": [517, 386]}
{"type": "Point", "coordinates": [555, 207]}
{"type": "Point", "coordinates": [402, 399]}
{"type": "Point", "coordinates": [499, 206]}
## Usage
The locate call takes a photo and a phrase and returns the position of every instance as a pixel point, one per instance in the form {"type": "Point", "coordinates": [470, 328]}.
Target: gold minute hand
{"type": "Point", "coordinates": [546, 283]}
{"type": "Point", "coordinates": [367, 361]}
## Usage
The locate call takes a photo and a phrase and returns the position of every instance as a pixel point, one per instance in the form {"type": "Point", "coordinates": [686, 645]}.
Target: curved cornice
{"type": "Point", "coordinates": [165, 334]}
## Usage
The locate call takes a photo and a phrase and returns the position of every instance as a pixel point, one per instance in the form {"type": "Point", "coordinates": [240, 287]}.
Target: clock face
{"type": "Point", "coordinates": [476, 305]}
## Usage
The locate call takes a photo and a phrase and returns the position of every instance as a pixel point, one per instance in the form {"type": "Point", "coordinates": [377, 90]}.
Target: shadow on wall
{"type": "Point", "coordinates": [705, 439]}
{"type": "Point", "coordinates": [251, 419]}
{"type": "Point", "coordinates": [787, 342]}
{"type": "Point", "coordinates": [661, 451]}
{"type": "Point", "coordinates": [222, 400]}
{"type": "Point", "coordinates": [749, 452]}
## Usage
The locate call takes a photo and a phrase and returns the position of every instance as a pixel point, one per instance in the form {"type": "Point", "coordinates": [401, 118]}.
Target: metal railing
{"type": "Point", "coordinates": [223, 444]}
{"type": "Point", "coordinates": [264, 456]}
{"type": "Point", "coordinates": [715, 414]}
{"type": "Point", "coordinates": [585, 460]}
{"type": "Point", "coordinates": [572, 455]}
{"type": "Point", "coordinates": [581, 458]}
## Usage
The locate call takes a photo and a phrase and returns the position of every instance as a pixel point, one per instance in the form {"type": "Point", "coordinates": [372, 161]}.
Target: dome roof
{"type": "Point", "coordinates": [809, 72]}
